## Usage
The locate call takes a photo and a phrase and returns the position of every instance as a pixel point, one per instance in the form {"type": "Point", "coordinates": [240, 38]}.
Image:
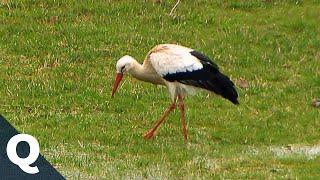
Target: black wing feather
{"type": "Point", "coordinates": [209, 77]}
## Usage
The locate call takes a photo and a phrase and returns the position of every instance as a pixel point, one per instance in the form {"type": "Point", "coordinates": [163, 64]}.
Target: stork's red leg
{"type": "Point", "coordinates": [183, 117]}
{"type": "Point", "coordinates": [151, 132]}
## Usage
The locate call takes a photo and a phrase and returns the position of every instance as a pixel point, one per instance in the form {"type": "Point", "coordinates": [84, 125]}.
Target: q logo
{"type": "Point", "coordinates": [24, 163]}
{"type": "Point", "coordinates": [20, 156]}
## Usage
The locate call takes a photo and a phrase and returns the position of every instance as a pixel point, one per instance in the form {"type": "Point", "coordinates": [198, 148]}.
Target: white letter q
{"type": "Point", "coordinates": [24, 163]}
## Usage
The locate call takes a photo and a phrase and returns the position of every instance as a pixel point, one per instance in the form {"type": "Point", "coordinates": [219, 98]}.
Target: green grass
{"type": "Point", "coordinates": [58, 60]}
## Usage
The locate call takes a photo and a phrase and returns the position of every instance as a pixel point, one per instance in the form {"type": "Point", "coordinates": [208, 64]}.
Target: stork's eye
{"type": "Point", "coordinates": [122, 69]}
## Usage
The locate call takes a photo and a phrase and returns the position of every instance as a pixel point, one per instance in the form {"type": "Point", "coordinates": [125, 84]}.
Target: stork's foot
{"type": "Point", "coordinates": [152, 131]}
{"type": "Point", "coordinates": [149, 135]}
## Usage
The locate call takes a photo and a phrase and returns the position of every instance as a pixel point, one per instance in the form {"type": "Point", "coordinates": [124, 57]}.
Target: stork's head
{"type": "Point", "coordinates": [123, 65]}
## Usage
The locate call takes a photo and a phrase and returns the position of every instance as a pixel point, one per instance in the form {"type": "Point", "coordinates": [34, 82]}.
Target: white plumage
{"type": "Point", "coordinates": [171, 59]}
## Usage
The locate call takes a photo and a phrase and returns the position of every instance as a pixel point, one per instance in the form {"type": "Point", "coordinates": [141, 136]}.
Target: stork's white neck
{"type": "Point", "coordinates": [144, 73]}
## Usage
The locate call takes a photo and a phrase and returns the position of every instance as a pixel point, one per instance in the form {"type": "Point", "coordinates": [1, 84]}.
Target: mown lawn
{"type": "Point", "coordinates": [57, 62]}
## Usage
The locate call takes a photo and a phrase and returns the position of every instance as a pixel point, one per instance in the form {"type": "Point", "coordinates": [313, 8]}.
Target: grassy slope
{"type": "Point", "coordinates": [57, 65]}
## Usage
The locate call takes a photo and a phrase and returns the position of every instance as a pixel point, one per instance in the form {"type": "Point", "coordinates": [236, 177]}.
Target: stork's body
{"type": "Point", "coordinates": [181, 69]}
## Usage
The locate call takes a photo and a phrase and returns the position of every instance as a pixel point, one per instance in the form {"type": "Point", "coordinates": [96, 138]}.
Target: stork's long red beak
{"type": "Point", "coordinates": [116, 83]}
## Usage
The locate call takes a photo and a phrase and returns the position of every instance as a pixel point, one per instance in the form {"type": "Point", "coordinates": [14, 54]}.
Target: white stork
{"type": "Point", "coordinates": [180, 69]}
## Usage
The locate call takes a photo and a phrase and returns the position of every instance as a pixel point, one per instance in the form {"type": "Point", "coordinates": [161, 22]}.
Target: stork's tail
{"type": "Point", "coordinates": [223, 86]}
